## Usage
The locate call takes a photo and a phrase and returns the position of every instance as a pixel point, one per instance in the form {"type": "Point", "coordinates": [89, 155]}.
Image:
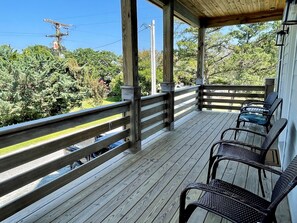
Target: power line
{"type": "Point", "coordinates": [22, 33]}
{"type": "Point", "coordinates": [95, 14]}
{"type": "Point", "coordinates": [108, 44]}
{"type": "Point", "coordinates": [98, 23]}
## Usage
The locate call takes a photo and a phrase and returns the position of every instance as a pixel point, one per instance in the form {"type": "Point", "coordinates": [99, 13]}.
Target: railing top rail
{"type": "Point", "coordinates": [234, 87]}
{"type": "Point", "coordinates": [49, 120]}
{"type": "Point", "coordinates": [187, 88]}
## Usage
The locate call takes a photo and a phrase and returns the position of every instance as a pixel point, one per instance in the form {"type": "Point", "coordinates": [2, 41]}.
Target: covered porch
{"type": "Point", "coordinates": [145, 187]}
{"type": "Point", "coordinates": [139, 181]}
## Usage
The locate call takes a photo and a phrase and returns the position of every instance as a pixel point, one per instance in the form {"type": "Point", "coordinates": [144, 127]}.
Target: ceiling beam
{"type": "Point", "coordinates": [180, 12]}
{"type": "Point", "coordinates": [243, 19]}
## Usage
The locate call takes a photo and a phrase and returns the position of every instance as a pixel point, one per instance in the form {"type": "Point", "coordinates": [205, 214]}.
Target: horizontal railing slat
{"type": "Point", "coordinates": [222, 107]}
{"type": "Point", "coordinates": [153, 110]}
{"type": "Point", "coordinates": [234, 87]}
{"type": "Point", "coordinates": [185, 90]}
{"type": "Point", "coordinates": [185, 99]}
{"type": "Point", "coordinates": [14, 134]}
{"type": "Point", "coordinates": [153, 130]}
{"type": "Point", "coordinates": [21, 157]}
{"type": "Point", "coordinates": [220, 100]}
{"type": "Point", "coordinates": [185, 106]}
{"type": "Point", "coordinates": [176, 118]}
{"type": "Point", "coordinates": [41, 171]}
{"type": "Point", "coordinates": [152, 99]}
{"type": "Point", "coordinates": [238, 95]}
{"type": "Point", "coordinates": [50, 187]}
{"type": "Point", "coordinates": [154, 120]}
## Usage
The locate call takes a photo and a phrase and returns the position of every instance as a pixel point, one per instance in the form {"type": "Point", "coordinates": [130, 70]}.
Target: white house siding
{"type": "Point", "coordinates": [288, 91]}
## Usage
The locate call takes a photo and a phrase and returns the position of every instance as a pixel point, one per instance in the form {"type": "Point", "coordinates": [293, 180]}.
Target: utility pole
{"type": "Point", "coordinates": [59, 34]}
{"type": "Point", "coordinates": [153, 57]}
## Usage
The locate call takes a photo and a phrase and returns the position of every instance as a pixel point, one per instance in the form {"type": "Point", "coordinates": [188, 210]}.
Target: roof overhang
{"type": "Point", "coordinates": [216, 13]}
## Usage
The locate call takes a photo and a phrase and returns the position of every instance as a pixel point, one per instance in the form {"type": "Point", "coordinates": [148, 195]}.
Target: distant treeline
{"type": "Point", "coordinates": [37, 83]}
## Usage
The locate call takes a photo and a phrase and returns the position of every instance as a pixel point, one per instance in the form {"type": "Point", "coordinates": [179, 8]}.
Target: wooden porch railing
{"type": "Point", "coordinates": [153, 114]}
{"type": "Point", "coordinates": [185, 101]}
{"type": "Point", "coordinates": [228, 97]}
{"type": "Point", "coordinates": [153, 119]}
{"type": "Point", "coordinates": [15, 134]}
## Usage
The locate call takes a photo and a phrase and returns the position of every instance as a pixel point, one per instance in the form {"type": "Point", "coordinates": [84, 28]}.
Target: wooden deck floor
{"type": "Point", "coordinates": [145, 187]}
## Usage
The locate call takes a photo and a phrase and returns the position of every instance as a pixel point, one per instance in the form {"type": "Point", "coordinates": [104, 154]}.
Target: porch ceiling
{"type": "Point", "coordinates": [214, 13]}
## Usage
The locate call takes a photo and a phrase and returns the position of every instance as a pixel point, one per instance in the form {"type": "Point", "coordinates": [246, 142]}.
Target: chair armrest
{"type": "Point", "coordinates": [251, 163]}
{"type": "Point", "coordinates": [263, 112]}
{"type": "Point", "coordinates": [235, 142]}
{"type": "Point", "coordinates": [255, 108]}
{"type": "Point", "coordinates": [218, 191]}
{"type": "Point", "coordinates": [247, 102]}
{"type": "Point", "coordinates": [257, 103]}
{"type": "Point", "coordinates": [241, 130]}
{"type": "Point", "coordinates": [232, 142]}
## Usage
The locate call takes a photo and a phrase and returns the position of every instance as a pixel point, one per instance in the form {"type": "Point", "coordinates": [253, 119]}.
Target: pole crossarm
{"type": "Point", "coordinates": [58, 35]}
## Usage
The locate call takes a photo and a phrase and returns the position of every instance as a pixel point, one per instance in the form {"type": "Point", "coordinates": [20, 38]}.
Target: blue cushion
{"type": "Point", "coordinates": [259, 119]}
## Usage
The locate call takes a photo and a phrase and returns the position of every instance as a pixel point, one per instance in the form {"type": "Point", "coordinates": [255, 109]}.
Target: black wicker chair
{"type": "Point", "coordinates": [256, 105]}
{"type": "Point", "coordinates": [260, 117]}
{"type": "Point", "coordinates": [237, 204]}
{"type": "Point", "coordinates": [238, 151]}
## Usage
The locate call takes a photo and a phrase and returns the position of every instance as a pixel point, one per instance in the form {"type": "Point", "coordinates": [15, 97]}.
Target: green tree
{"type": "Point", "coordinates": [35, 84]}
{"type": "Point", "coordinates": [144, 71]}
{"type": "Point", "coordinates": [243, 54]}
{"type": "Point", "coordinates": [254, 56]}
{"type": "Point", "coordinates": [217, 48]}
{"type": "Point", "coordinates": [95, 65]}
{"type": "Point", "coordinates": [98, 64]}
{"type": "Point", "coordinates": [115, 86]}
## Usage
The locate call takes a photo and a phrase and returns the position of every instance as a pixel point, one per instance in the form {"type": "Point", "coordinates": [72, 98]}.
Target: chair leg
{"type": "Point", "coordinates": [188, 212]}
{"type": "Point", "coordinates": [237, 126]}
{"type": "Point", "coordinates": [214, 170]}
{"type": "Point", "coordinates": [264, 173]}
{"type": "Point", "coordinates": [267, 128]}
{"type": "Point", "coordinates": [261, 183]}
{"type": "Point", "coordinates": [210, 162]}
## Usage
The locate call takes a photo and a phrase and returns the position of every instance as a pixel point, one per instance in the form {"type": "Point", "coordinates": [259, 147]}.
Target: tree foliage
{"type": "Point", "coordinates": [35, 84]}
{"type": "Point", "coordinates": [243, 54]}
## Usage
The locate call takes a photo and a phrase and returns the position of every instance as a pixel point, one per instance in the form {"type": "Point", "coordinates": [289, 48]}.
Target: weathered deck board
{"type": "Point", "coordinates": [145, 187]}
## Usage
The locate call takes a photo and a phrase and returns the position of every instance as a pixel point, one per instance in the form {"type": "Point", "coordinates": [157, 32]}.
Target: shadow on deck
{"type": "Point", "coordinates": [145, 187]}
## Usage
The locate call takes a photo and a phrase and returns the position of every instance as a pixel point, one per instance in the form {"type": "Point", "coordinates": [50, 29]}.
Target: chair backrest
{"type": "Point", "coordinates": [271, 97]}
{"type": "Point", "coordinates": [272, 135]}
{"type": "Point", "coordinates": [274, 106]}
{"type": "Point", "coordinates": [286, 182]}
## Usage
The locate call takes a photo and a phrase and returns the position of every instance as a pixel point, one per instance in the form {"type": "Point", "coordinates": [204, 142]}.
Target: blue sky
{"type": "Point", "coordinates": [95, 23]}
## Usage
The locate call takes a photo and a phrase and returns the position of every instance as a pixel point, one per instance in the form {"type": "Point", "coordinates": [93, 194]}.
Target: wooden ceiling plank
{"type": "Point", "coordinates": [184, 14]}
{"type": "Point", "coordinates": [225, 7]}
{"type": "Point", "coordinates": [279, 4]}
{"type": "Point", "coordinates": [226, 12]}
{"type": "Point", "coordinates": [200, 8]}
{"type": "Point", "coordinates": [236, 5]}
{"type": "Point", "coordinates": [220, 6]}
{"type": "Point", "coordinates": [201, 4]}
{"type": "Point", "coordinates": [211, 9]}
{"type": "Point", "coordinates": [244, 18]}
